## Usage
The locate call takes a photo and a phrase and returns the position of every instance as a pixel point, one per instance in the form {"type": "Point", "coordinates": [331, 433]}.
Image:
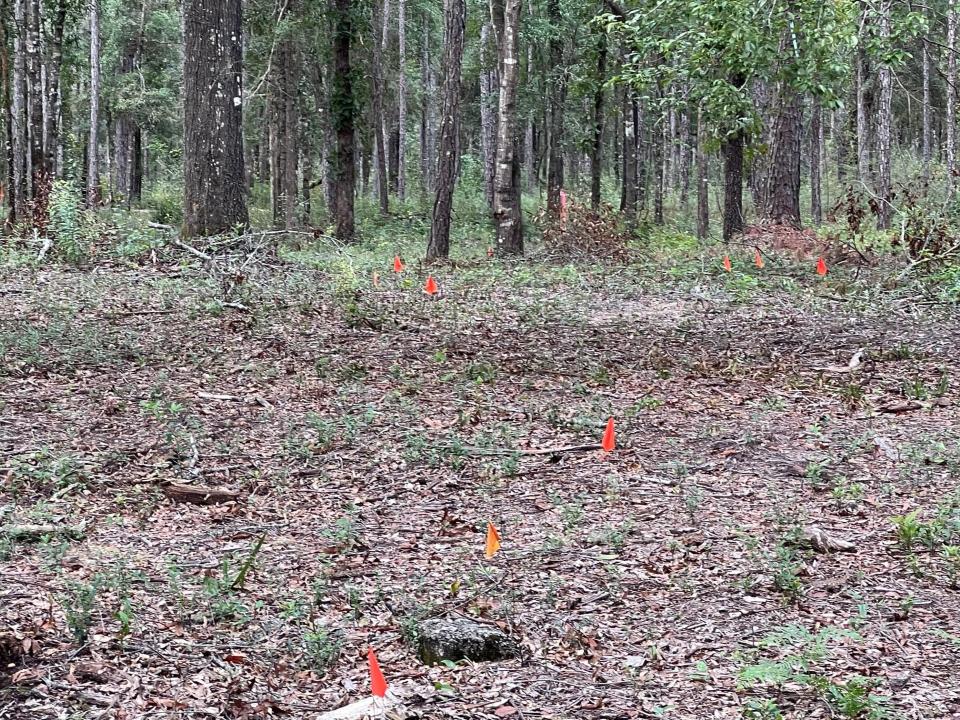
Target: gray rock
{"type": "Point", "coordinates": [460, 639]}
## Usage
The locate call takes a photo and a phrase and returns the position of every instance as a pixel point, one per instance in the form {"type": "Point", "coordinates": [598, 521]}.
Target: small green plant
{"type": "Point", "coordinates": [165, 202]}
{"type": "Point", "coordinates": [70, 226]}
{"type": "Point", "coordinates": [908, 529]}
{"type": "Point", "coordinates": [761, 709]}
{"type": "Point", "coordinates": [481, 372]}
{"type": "Point", "coordinates": [321, 648]}
{"type": "Point", "coordinates": [951, 555]}
{"type": "Point", "coordinates": [854, 699]}
{"type": "Point", "coordinates": [124, 616]}
{"type": "Point", "coordinates": [78, 605]}
{"type": "Point", "coordinates": [571, 514]}
{"type": "Point", "coordinates": [786, 573]}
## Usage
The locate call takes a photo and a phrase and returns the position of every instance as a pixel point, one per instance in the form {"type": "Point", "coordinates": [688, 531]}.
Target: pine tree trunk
{"type": "Point", "coordinates": [507, 212]}
{"type": "Point", "coordinates": [863, 118]}
{"type": "Point", "coordinates": [488, 116]}
{"type": "Point", "coordinates": [927, 146]}
{"type": "Point", "coordinates": [428, 123]}
{"type": "Point", "coordinates": [19, 148]}
{"type": "Point", "coordinates": [816, 120]}
{"type": "Point", "coordinates": [342, 112]}
{"type": "Point", "coordinates": [951, 91]}
{"type": "Point", "coordinates": [660, 162]}
{"type": "Point", "coordinates": [402, 101]}
{"type": "Point", "coordinates": [558, 99]}
{"type": "Point", "coordinates": [455, 12]}
{"type": "Point", "coordinates": [683, 160]}
{"type": "Point", "coordinates": [285, 122]}
{"type": "Point", "coordinates": [703, 180]}
{"type": "Point", "coordinates": [379, 119]}
{"type": "Point", "coordinates": [784, 182]}
{"type": "Point", "coordinates": [628, 192]}
{"type": "Point", "coordinates": [52, 121]}
{"type": "Point", "coordinates": [93, 145]}
{"type": "Point", "coordinates": [733, 186]}
{"type": "Point", "coordinates": [214, 188]}
{"type": "Point", "coordinates": [884, 121]}
{"type": "Point", "coordinates": [125, 126]}
{"type": "Point", "coordinates": [596, 151]}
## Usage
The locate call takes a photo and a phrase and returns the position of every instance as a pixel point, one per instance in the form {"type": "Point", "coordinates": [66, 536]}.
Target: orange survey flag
{"type": "Point", "coordinates": [609, 437]}
{"type": "Point", "coordinates": [821, 267]}
{"type": "Point", "coordinates": [397, 264]}
{"type": "Point", "coordinates": [758, 260]}
{"type": "Point", "coordinates": [493, 541]}
{"type": "Point", "coordinates": [727, 265]}
{"type": "Point", "coordinates": [378, 685]}
{"type": "Point", "coordinates": [431, 287]}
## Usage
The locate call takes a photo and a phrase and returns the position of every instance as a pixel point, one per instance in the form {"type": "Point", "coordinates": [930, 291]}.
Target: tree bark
{"type": "Point", "coordinates": [951, 91]}
{"type": "Point", "coordinates": [402, 101]}
{"type": "Point", "coordinates": [438, 247]}
{"type": "Point", "coordinates": [863, 110]}
{"type": "Point", "coordinates": [284, 122]}
{"type": "Point", "coordinates": [214, 188]}
{"type": "Point", "coordinates": [93, 146]}
{"type": "Point", "coordinates": [507, 212]}
{"type": "Point", "coordinates": [703, 180]}
{"type": "Point", "coordinates": [596, 151]}
{"type": "Point", "coordinates": [733, 186]}
{"type": "Point", "coordinates": [342, 114]}
{"type": "Point", "coordinates": [816, 120]}
{"type": "Point", "coordinates": [884, 121]}
{"type": "Point", "coordinates": [428, 122]}
{"type": "Point", "coordinates": [927, 146]}
{"type": "Point", "coordinates": [125, 127]}
{"type": "Point", "coordinates": [558, 99]}
{"type": "Point", "coordinates": [628, 193]}
{"type": "Point", "coordinates": [379, 121]}
{"type": "Point", "coordinates": [488, 116]}
{"type": "Point", "coordinates": [19, 148]}
{"type": "Point", "coordinates": [784, 182]}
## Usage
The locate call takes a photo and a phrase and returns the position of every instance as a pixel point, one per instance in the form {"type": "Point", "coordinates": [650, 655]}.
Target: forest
{"type": "Point", "coordinates": [525, 358]}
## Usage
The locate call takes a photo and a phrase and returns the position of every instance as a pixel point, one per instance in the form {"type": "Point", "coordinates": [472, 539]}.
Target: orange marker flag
{"type": "Point", "coordinates": [398, 266]}
{"type": "Point", "coordinates": [821, 267]}
{"type": "Point", "coordinates": [378, 685]}
{"type": "Point", "coordinates": [493, 541]}
{"type": "Point", "coordinates": [431, 287]}
{"type": "Point", "coordinates": [727, 265]}
{"type": "Point", "coordinates": [609, 437]}
{"type": "Point", "coordinates": [758, 260]}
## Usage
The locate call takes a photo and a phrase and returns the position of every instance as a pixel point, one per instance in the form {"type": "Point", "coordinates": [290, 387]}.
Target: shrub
{"type": "Point", "coordinates": [72, 228]}
{"type": "Point", "coordinates": [165, 202]}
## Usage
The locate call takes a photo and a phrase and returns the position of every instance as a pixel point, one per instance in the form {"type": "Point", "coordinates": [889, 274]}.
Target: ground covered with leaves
{"type": "Point", "coordinates": [775, 535]}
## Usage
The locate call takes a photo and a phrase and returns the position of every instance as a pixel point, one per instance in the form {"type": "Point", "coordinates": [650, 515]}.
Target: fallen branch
{"type": "Point", "coordinates": [199, 495]}
{"type": "Point", "coordinates": [192, 250]}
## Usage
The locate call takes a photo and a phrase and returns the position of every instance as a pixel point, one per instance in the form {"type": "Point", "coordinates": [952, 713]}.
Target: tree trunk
{"type": "Point", "coordinates": [884, 121]}
{"type": "Point", "coordinates": [285, 122]}
{"type": "Point", "coordinates": [488, 116]}
{"type": "Point", "coordinates": [733, 186]}
{"type": "Point", "coordinates": [628, 193]}
{"type": "Point", "coordinates": [428, 139]}
{"type": "Point", "coordinates": [596, 151]}
{"type": "Point", "coordinates": [703, 180]}
{"type": "Point", "coordinates": [816, 120]}
{"type": "Point", "coordinates": [951, 91]}
{"type": "Point", "coordinates": [379, 120]}
{"type": "Point", "coordinates": [506, 208]}
{"type": "Point", "coordinates": [863, 116]}
{"type": "Point", "coordinates": [927, 147]}
{"type": "Point", "coordinates": [660, 160]}
{"type": "Point", "coordinates": [93, 146]}
{"type": "Point", "coordinates": [125, 126]}
{"type": "Point", "coordinates": [19, 147]}
{"type": "Point", "coordinates": [402, 101]}
{"type": "Point", "coordinates": [214, 188]}
{"type": "Point", "coordinates": [558, 99]}
{"type": "Point", "coordinates": [455, 12]}
{"type": "Point", "coordinates": [342, 112]}
{"type": "Point", "coordinates": [683, 160]}
{"type": "Point", "coordinates": [784, 182]}
{"type": "Point", "coordinates": [52, 120]}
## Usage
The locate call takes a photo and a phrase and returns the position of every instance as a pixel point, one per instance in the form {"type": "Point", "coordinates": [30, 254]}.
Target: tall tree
{"type": "Point", "coordinates": [214, 179]}
{"type": "Point", "coordinates": [488, 117]}
{"type": "Point", "coordinates": [557, 101]}
{"type": "Point", "coordinates": [884, 121]}
{"type": "Point", "coordinates": [93, 144]}
{"type": "Point", "coordinates": [379, 119]}
{"type": "Point", "coordinates": [402, 100]}
{"type": "Point", "coordinates": [342, 112]}
{"type": "Point", "coordinates": [816, 153]}
{"type": "Point", "coordinates": [951, 119]}
{"type": "Point", "coordinates": [703, 180]}
{"type": "Point", "coordinates": [455, 12]}
{"type": "Point", "coordinates": [506, 188]}
{"type": "Point", "coordinates": [596, 149]}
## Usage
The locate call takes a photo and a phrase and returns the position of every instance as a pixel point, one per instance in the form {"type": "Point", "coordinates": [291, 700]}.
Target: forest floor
{"type": "Point", "coordinates": [370, 434]}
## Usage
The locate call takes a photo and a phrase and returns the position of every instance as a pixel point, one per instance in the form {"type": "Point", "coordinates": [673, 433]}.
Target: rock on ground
{"type": "Point", "coordinates": [461, 639]}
